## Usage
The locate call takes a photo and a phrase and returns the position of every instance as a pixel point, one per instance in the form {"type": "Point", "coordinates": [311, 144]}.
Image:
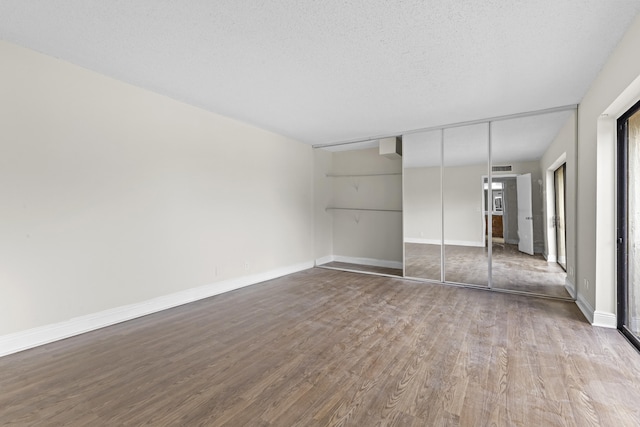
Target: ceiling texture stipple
{"type": "Point", "coordinates": [335, 70]}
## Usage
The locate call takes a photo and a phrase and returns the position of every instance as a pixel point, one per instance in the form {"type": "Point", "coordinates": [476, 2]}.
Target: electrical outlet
{"type": "Point", "coordinates": [215, 271]}
{"type": "Point", "coordinates": [245, 265]}
{"type": "Point", "coordinates": [586, 283]}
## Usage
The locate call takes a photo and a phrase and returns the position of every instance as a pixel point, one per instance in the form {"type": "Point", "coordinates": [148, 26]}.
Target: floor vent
{"type": "Point", "coordinates": [501, 168]}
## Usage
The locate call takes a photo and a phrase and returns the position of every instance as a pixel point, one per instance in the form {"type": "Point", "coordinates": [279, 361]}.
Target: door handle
{"type": "Point", "coordinates": [528, 217]}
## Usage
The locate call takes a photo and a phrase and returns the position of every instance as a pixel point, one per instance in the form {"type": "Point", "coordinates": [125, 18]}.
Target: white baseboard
{"type": "Point", "coordinates": [422, 241]}
{"type": "Point", "coordinates": [18, 341]}
{"type": "Point", "coordinates": [604, 319]}
{"type": "Point", "coordinates": [585, 308]}
{"type": "Point", "coordinates": [446, 242]}
{"type": "Point", "coordinates": [324, 260]}
{"type": "Point", "coordinates": [368, 261]}
{"type": "Point", "coordinates": [570, 287]}
{"type": "Point", "coordinates": [596, 318]}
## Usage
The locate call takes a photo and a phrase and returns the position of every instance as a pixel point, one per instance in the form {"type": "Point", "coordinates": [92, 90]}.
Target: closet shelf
{"type": "Point", "coordinates": [334, 175]}
{"type": "Point", "coordinates": [333, 208]}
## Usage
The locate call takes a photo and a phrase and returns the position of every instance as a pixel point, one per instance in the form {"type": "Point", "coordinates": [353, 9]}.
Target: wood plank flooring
{"type": "Point", "coordinates": [331, 348]}
{"type": "Point", "coordinates": [511, 269]}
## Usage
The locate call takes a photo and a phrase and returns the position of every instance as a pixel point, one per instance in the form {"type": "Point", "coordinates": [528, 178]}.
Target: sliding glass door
{"type": "Point", "coordinates": [629, 224]}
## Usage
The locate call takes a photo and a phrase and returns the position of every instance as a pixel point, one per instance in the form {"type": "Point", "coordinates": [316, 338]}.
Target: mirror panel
{"type": "Point", "coordinates": [465, 164]}
{"type": "Point", "coordinates": [530, 156]}
{"type": "Point", "coordinates": [422, 207]}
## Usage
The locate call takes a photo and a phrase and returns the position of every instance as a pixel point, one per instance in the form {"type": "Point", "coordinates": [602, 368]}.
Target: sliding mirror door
{"type": "Point", "coordinates": [528, 238]}
{"type": "Point", "coordinates": [465, 164]}
{"type": "Point", "coordinates": [422, 202]}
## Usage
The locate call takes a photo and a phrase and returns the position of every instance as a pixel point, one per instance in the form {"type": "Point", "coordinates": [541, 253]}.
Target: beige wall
{"type": "Point", "coordinates": [112, 195]}
{"type": "Point", "coordinates": [595, 242]}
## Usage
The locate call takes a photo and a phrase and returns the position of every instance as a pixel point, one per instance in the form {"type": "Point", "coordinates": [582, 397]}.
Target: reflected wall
{"type": "Point", "coordinates": [465, 162]}
{"type": "Point", "coordinates": [422, 205]}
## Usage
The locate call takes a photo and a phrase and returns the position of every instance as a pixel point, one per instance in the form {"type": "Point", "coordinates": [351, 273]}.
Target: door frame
{"type": "Point", "coordinates": [621, 227]}
{"type": "Point", "coordinates": [564, 213]}
{"type": "Point", "coordinates": [485, 213]}
{"type": "Point", "coordinates": [551, 254]}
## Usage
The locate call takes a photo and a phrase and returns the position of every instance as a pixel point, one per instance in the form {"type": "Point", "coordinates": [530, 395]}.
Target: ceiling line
{"type": "Point", "coordinates": [455, 125]}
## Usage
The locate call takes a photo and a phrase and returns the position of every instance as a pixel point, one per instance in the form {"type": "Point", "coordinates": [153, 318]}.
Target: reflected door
{"type": "Point", "coordinates": [559, 217]}
{"type": "Point", "coordinates": [525, 214]}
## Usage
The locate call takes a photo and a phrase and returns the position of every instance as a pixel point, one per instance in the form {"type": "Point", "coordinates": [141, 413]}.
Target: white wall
{"type": "Point", "coordinates": [462, 205]}
{"type": "Point", "coordinates": [463, 209]}
{"type": "Point", "coordinates": [323, 197]}
{"type": "Point", "coordinates": [613, 91]}
{"type": "Point", "coordinates": [422, 205]}
{"type": "Point", "coordinates": [111, 195]}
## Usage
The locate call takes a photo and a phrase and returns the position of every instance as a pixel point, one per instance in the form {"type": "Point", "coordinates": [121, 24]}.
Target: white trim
{"type": "Point", "coordinates": [23, 340]}
{"type": "Point", "coordinates": [447, 242]}
{"type": "Point", "coordinates": [324, 260]}
{"type": "Point", "coordinates": [422, 241]}
{"type": "Point", "coordinates": [585, 307]}
{"type": "Point", "coordinates": [368, 261]}
{"type": "Point", "coordinates": [596, 318]}
{"type": "Point", "coordinates": [604, 320]}
{"type": "Point", "coordinates": [570, 287]}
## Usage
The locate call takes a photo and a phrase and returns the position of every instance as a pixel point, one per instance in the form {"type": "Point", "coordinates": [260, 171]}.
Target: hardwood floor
{"type": "Point", "coordinates": [511, 269]}
{"type": "Point", "coordinates": [324, 347]}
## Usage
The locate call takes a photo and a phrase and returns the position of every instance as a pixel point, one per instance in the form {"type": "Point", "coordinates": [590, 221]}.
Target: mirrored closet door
{"type": "Point", "coordinates": [529, 251]}
{"type": "Point", "coordinates": [422, 205]}
{"type": "Point", "coordinates": [465, 163]}
{"type": "Point", "coordinates": [493, 204]}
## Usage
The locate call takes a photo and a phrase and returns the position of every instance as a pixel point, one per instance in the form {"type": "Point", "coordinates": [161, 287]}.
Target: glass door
{"type": "Point", "coordinates": [559, 217]}
{"type": "Point", "coordinates": [628, 237]}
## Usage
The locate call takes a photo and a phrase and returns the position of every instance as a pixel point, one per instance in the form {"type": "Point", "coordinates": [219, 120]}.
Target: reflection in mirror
{"type": "Point", "coordinates": [529, 160]}
{"type": "Point", "coordinates": [358, 192]}
{"type": "Point", "coordinates": [422, 208]}
{"type": "Point", "coordinates": [466, 159]}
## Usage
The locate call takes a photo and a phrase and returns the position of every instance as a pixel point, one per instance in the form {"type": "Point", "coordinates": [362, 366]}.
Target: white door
{"type": "Point", "coordinates": [525, 214]}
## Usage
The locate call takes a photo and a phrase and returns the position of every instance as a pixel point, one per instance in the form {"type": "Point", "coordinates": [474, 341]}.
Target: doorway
{"type": "Point", "coordinates": [559, 216]}
{"type": "Point", "coordinates": [628, 232]}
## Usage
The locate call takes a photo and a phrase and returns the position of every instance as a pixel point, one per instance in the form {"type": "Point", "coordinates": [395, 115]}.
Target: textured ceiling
{"type": "Point", "coordinates": [335, 70]}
